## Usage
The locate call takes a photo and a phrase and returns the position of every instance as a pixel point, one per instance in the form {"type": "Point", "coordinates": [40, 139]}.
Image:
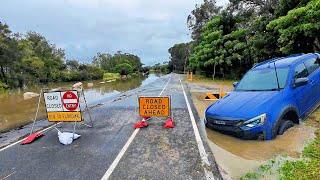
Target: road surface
{"type": "Point", "coordinates": [113, 149]}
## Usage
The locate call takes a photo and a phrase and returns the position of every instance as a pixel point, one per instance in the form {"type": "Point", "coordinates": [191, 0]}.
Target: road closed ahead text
{"type": "Point", "coordinates": [154, 106]}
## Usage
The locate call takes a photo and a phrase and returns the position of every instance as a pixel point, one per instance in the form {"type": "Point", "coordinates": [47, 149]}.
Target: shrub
{"type": "Point", "coordinates": [124, 69]}
{"type": "Point", "coordinates": [3, 86]}
{"type": "Point", "coordinates": [111, 76]}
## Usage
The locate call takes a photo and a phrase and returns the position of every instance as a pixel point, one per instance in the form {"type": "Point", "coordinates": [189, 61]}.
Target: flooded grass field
{"type": "Point", "coordinates": [238, 157]}
{"type": "Point", "coordinates": [15, 111]}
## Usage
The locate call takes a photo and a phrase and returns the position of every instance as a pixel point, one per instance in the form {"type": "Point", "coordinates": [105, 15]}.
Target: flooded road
{"type": "Point", "coordinates": [16, 112]}
{"type": "Point", "coordinates": [237, 156]}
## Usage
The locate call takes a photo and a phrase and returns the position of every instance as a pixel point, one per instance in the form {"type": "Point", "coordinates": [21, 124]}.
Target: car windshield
{"type": "Point", "coordinates": [263, 79]}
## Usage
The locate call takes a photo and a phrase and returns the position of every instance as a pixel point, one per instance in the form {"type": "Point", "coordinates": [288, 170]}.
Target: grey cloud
{"type": "Point", "coordinates": [84, 27]}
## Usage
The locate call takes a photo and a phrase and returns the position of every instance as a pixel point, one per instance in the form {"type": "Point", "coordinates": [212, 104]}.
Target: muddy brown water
{"type": "Point", "coordinates": [16, 112]}
{"type": "Point", "coordinates": [237, 157]}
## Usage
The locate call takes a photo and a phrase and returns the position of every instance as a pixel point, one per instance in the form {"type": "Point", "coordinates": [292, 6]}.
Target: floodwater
{"type": "Point", "coordinates": [238, 157]}
{"type": "Point", "coordinates": [16, 112]}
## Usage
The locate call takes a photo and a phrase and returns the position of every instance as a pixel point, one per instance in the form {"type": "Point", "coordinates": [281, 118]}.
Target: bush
{"type": "Point", "coordinates": [124, 69]}
{"type": "Point", "coordinates": [3, 86]}
{"type": "Point", "coordinates": [111, 76]}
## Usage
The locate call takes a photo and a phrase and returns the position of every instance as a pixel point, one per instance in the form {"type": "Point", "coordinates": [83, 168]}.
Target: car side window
{"type": "Point", "coordinates": [312, 64]}
{"type": "Point", "coordinates": [301, 71]}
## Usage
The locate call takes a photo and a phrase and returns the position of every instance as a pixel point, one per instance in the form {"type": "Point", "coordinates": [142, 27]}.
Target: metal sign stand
{"type": "Point", "coordinates": [86, 109]}
{"type": "Point", "coordinates": [37, 111]}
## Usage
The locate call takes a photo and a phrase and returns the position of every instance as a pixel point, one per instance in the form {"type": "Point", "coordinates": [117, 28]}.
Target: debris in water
{"type": "Point", "coordinates": [89, 85]}
{"type": "Point", "coordinates": [29, 95]}
{"type": "Point", "coordinates": [77, 85]}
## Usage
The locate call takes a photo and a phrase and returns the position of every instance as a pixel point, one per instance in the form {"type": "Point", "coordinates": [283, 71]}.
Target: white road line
{"type": "Point", "coordinates": [202, 151]}
{"type": "Point", "coordinates": [17, 142]}
{"type": "Point", "coordinates": [126, 146]}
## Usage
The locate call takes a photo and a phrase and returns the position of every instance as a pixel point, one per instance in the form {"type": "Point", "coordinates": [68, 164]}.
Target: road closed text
{"type": "Point", "coordinates": [154, 106]}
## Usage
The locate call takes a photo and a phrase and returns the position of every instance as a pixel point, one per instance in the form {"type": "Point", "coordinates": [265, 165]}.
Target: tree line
{"type": "Point", "coordinates": [226, 42]}
{"type": "Point", "coordinates": [31, 58]}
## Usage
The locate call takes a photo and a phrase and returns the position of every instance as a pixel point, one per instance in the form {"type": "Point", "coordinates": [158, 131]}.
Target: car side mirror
{"type": "Point", "coordinates": [235, 84]}
{"type": "Point", "coordinates": [301, 82]}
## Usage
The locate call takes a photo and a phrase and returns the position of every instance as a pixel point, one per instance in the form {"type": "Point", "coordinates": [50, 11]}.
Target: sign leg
{"type": "Point", "coordinates": [35, 118]}
{"type": "Point", "coordinates": [74, 130]}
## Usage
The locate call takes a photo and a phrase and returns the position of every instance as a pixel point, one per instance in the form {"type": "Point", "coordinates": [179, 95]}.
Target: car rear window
{"type": "Point", "coordinates": [312, 64]}
{"type": "Point", "coordinates": [301, 71]}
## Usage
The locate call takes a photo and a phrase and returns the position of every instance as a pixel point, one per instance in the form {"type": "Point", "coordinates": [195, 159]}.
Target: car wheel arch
{"type": "Point", "coordinates": [288, 113]}
{"type": "Point", "coordinates": [291, 114]}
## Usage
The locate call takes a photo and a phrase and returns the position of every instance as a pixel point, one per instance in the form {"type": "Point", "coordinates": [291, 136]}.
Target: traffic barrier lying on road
{"type": "Point", "coordinates": [31, 138]}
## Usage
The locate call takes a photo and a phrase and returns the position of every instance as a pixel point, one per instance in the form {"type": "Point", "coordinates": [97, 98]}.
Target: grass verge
{"type": "Point", "coordinates": [308, 167]}
{"type": "Point", "coordinates": [305, 168]}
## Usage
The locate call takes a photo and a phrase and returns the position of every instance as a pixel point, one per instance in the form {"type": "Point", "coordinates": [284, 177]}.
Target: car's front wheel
{"type": "Point", "coordinates": [284, 126]}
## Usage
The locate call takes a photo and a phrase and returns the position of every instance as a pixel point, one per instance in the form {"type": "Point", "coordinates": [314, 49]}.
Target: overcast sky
{"type": "Point", "coordinates": [146, 28]}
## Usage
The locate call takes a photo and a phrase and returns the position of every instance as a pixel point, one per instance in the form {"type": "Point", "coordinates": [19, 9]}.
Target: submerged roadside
{"type": "Point", "coordinates": [254, 156]}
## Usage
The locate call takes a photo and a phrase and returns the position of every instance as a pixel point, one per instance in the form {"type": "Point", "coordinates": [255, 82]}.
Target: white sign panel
{"type": "Point", "coordinates": [53, 101]}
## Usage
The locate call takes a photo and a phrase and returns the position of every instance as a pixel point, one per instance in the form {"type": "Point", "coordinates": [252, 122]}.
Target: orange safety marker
{"type": "Point", "coordinates": [190, 76]}
{"type": "Point", "coordinates": [142, 124]}
{"type": "Point", "coordinates": [169, 123]}
{"type": "Point", "coordinates": [215, 96]}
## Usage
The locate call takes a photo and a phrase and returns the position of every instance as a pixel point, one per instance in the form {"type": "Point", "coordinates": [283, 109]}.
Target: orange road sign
{"type": "Point", "coordinates": [154, 106]}
{"type": "Point", "coordinates": [64, 116]}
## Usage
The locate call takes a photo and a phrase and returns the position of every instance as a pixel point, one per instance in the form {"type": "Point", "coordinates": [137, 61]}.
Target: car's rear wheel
{"type": "Point", "coordinates": [284, 126]}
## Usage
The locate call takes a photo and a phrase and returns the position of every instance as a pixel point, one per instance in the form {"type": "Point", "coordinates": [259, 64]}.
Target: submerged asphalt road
{"type": "Point", "coordinates": [114, 150]}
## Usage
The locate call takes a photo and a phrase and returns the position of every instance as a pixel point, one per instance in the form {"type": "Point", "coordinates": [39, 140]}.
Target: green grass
{"type": "Point", "coordinates": [306, 168]}
{"type": "Point", "coordinates": [265, 169]}
{"type": "Point", "coordinates": [111, 76]}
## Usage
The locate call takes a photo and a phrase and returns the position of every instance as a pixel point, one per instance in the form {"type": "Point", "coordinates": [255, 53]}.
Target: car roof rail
{"type": "Point", "coordinates": [267, 61]}
{"type": "Point", "coordinates": [295, 55]}
{"type": "Point", "coordinates": [276, 59]}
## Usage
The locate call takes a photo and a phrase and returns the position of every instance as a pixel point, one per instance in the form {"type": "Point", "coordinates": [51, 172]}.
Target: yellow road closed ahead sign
{"type": "Point", "coordinates": [154, 106]}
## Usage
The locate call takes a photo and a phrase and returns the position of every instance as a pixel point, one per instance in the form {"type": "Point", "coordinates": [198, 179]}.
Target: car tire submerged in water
{"type": "Point", "coordinates": [285, 125]}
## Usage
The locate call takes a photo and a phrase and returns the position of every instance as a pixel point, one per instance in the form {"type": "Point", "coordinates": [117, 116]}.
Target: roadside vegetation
{"type": "Point", "coordinates": [31, 59]}
{"type": "Point", "coordinates": [160, 68]}
{"type": "Point", "coordinates": [227, 42]}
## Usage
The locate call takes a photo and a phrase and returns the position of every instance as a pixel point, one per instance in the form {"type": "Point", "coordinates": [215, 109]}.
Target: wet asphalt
{"type": "Point", "coordinates": [155, 153]}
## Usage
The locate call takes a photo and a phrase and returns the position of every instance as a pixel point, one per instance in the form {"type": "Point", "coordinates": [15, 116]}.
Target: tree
{"type": "Point", "coordinates": [72, 65]}
{"type": "Point", "coordinates": [179, 55]}
{"type": "Point", "coordinates": [299, 29]}
{"type": "Point", "coordinates": [124, 69]}
{"type": "Point", "coordinates": [109, 62]}
{"type": "Point", "coordinates": [200, 16]}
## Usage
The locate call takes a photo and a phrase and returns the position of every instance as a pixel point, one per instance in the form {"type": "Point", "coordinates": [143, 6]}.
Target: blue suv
{"type": "Point", "coordinates": [271, 97]}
